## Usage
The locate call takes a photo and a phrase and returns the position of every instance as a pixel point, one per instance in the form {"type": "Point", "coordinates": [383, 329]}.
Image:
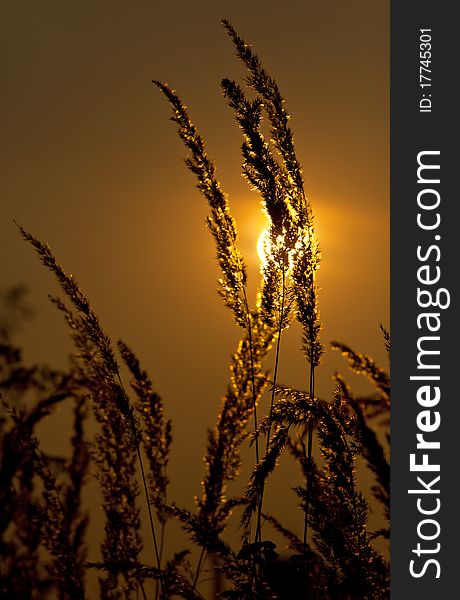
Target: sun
{"type": "Point", "coordinates": [262, 245]}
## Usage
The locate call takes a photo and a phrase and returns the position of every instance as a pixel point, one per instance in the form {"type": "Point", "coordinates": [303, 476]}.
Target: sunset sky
{"type": "Point", "coordinates": [92, 165]}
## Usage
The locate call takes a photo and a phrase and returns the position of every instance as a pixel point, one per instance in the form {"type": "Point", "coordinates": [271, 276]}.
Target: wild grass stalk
{"type": "Point", "coordinates": [291, 243]}
{"type": "Point", "coordinates": [265, 174]}
{"type": "Point", "coordinates": [233, 285]}
{"type": "Point", "coordinates": [372, 450]}
{"type": "Point", "coordinates": [282, 189]}
{"type": "Point", "coordinates": [281, 442]}
{"type": "Point", "coordinates": [306, 293]}
{"type": "Point", "coordinates": [117, 447]}
{"type": "Point", "coordinates": [157, 440]}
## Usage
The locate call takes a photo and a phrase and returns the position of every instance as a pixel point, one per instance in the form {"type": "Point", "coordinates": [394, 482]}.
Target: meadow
{"type": "Point", "coordinates": [122, 434]}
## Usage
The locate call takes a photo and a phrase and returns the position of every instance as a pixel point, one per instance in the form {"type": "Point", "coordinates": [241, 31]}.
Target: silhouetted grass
{"type": "Point", "coordinates": [43, 527]}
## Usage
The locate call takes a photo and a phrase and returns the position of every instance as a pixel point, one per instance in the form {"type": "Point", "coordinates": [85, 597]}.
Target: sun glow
{"type": "Point", "coordinates": [262, 246]}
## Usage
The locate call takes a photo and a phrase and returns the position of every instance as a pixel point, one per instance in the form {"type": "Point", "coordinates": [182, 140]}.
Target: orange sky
{"type": "Point", "coordinates": [93, 166]}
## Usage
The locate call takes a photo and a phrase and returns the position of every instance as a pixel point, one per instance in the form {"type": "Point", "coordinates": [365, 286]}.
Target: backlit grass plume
{"type": "Point", "coordinates": [282, 135]}
{"type": "Point", "coordinates": [220, 221]}
{"type": "Point", "coordinates": [338, 512]}
{"type": "Point", "coordinates": [224, 443]}
{"type": "Point", "coordinates": [117, 446]}
{"type": "Point", "coordinates": [292, 254]}
{"type": "Point", "coordinates": [222, 226]}
{"type": "Point", "coordinates": [157, 436]}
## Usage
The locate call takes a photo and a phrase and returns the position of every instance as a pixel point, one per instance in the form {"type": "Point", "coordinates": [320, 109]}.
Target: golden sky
{"type": "Point", "coordinates": [93, 166]}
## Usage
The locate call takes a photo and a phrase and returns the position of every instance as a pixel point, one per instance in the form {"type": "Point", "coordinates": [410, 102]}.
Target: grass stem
{"type": "Point", "coordinates": [152, 528]}
{"type": "Point", "coordinates": [272, 401]}
{"type": "Point", "coordinates": [309, 459]}
{"type": "Point", "coordinates": [147, 500]}
{"type": "Point", "coordinates": [198, 568]}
